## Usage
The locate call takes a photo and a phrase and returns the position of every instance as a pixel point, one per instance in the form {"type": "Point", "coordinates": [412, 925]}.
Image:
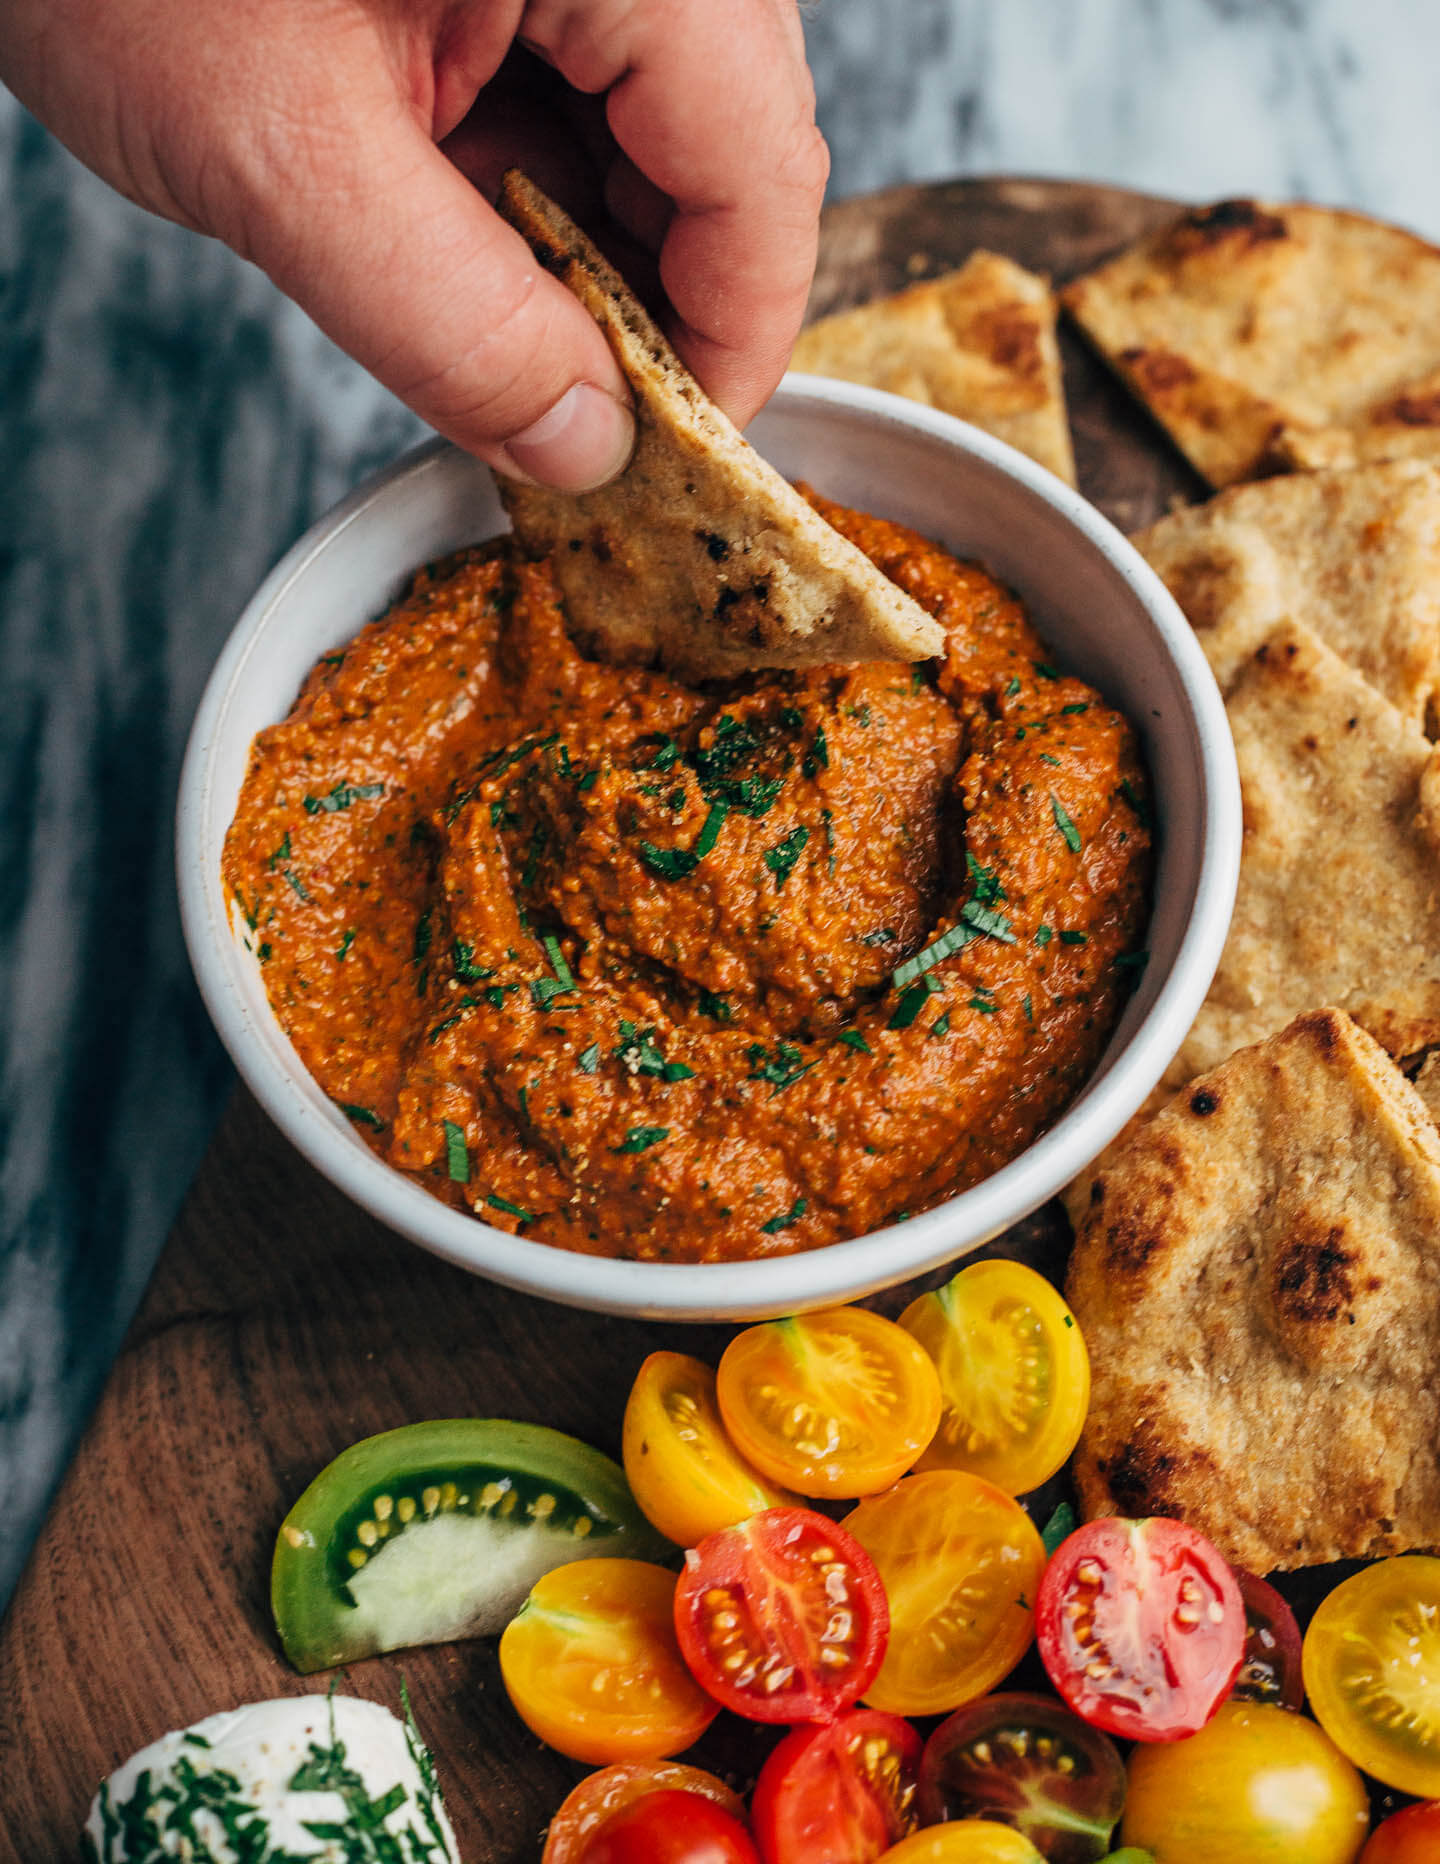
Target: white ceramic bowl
{"type": "Point", "coordinates": [1106, 616]}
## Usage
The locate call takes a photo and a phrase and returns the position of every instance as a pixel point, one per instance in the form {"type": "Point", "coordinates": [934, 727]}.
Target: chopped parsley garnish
{"type": "Point", "coordinates": [714, 1006]}
{"type": "Point", "coordinates": [1045, 670]}
{"type": "Point", "coordinates": [462, 956]}
{"type": "Point", "coordinates": [588, 781]}
{"type": "Point", "coordinates": [975, 921]}
{"type": "Point", "coordinates": [494, 764]}
{"type": "Point", "coordinates": [1070, 710]}
{"type": "Point", "coordinates": [1043, 935]}
{"type": "Point", "coordinates": [941, 1025]}
{"type": "Point", "coordinates": [543, 991]}
{"type": "Point", "coordinates": [666, 756]}
{"type": "Point", "coordinates": [1029, 1013]}
{"type": "Point", "coordinates": [638, 1050]}
{"type": "Point", "coordinates": [341, 797]}
{"type": "Point", "coordinates": [980, 919]}
{"type": "Point", "coordinates": [883, 935]}
{"type": "Point", "coordinates": [557, 961]}
{"type": "Point", "coordinates": [422, 937]}
{"type": "Point", "coordinates": [987, 884]}
{"type": "Point", "coordinates": [793, 1215]}
{"type": "Point", "coordinates": [782, 857]}
{"type": "Point", "coordinates": [1132, 961]}
{"type": "Point", "coordinates": [911, 1003]}
{"type": "Point", "coordinates": [346, 942]}
{"type": "Point", "coordinates": [1074, 938]}
{"type": "Point", "coordinates": [362, 1116]}
{"type": "Point", "coordinates": [539, 836]}
{"type": "Point", "coordinates": [731, 743]}
{"type": "Point", "coordinates": [781, 1069]}
{"type": "Point", "coordinates": [515, 1210]}
{"type": "Point", "coordinates": [1066, 827]}
{"type": "Point", "coordinates": [676, 863]}
{"type": "Point", "coordinates": [494, 994]}
{"type": "Point", "coordinates": [457, 1157]}
{"type": "Point", "coordinates": [1046, 758]}
{"type": "Point", "coordinates": [1136, 801]}
{"type": "Point", "coordinates": [282, 853]}
{"type": "Point", "coordinates": [1013, 687]}
{"type": "Point", "coordinates": [440, 1028]}
{"type": "Point", "coordinates": [852, 1038]}
{"type": "Point", "coordinates": [818, 756]}
{"type": "Point", "coordinates": [297, 884]}
{"type": "Point", "coordinates": [710, 830]}
{"type": "Point", "coordinates": [641, 1138]}
{"type": "Point", "coordinates": [753, 796]}
{"type": "Point", "coordinates": [986, 1009]}
{"type": "Point", "coordinates": [588, 1059]}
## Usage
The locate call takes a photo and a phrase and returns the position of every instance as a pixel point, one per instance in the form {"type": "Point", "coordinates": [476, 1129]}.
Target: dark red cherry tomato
{"type": "Point", "coordinates": [1270, 1669]}
{"type": "Point", "coordinates": [1141, 1627]}
{"type": "Point", "coordinates": [671, 1828]}
{"type": "Point", "coordinates": [782, 1617]}
{"type": "Point", "coordinates": [1025, 1761]}
{"type": "Point", "coordinates": [843, 1790]}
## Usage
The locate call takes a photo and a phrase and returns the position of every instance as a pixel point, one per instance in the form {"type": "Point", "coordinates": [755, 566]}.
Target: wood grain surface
{"type": "Point", "coordinates": [283, 1324]}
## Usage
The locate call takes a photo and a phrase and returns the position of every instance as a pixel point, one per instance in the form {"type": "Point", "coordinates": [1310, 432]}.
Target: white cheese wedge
{"type": "Point", "coordinates": [306, 1776]}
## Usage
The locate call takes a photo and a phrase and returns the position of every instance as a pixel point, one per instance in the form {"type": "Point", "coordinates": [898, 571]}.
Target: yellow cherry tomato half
{"type": "Point", "coordinates": [592, 1664]}
{"type": "Point", "coordinates": [960, 1561]}
{"type": "Point", "coordinates": [1371, 1664]}
{"type": "Point", "coordinates": [964, 1841]}
{"type": "Point", "coordinates": [683, 1470]}
{"type": "Point", "coordinates": [1258, 1785]}
{"type": "Point", "coordinates": [836, 1403]}
{"type": "Point", "coordinates": [1014, 1374]}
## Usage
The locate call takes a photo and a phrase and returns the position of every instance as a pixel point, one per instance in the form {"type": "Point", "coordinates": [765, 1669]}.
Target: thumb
{"type": "Point", "coordinates": [406, 266]}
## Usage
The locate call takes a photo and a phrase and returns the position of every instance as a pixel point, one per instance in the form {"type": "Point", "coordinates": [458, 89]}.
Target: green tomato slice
{"type": "Point", "coordinates": [438, 1531]}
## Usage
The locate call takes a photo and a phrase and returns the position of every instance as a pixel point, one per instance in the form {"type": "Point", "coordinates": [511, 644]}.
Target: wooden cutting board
{"type": "Point", "coordinates": [283, 1324]}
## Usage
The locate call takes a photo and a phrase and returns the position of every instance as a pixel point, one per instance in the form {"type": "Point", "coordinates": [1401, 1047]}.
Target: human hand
{"type": "Point", "coordinates": [347, 146]}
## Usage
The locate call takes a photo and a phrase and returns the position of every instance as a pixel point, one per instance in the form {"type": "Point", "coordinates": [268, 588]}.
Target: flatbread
{"type": "Point", "coordinates": [1257, 1276]}
{"type": "Point", "coordinates": [978, 343]}
{"type": "Point", "coordinates": [1339, 897]}
{"type": "Point", "coordinates": [1354, 554]}
{"type": "Point", "coordinates": [699, 556]}
{"type": "Point", "coordinates": [1268, 338]}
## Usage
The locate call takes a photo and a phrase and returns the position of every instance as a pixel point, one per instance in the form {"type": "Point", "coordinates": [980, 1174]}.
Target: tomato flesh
{"type": "Point", "coordinates": [600, 1795]}
{"type": "Point", "coordinates": [670, 1827]}
{"type": "Point", "coordinates": [782, 1617]}
{"type": "Point", "coordinates": [836, 1403]}
{"type": "Point", "coordinates": [1371, 1661]}
{"type": "Point", "coordinates": [843, 1790]}
{"type": "Point", "coordinates": [1409, 1837]}
{"type": "Point", "coordinates": [1270, 1668]}
{"type": "Point", "coordinates": [591, 1664]}
{"type": "Point", "coordinates": [1025, 1761]}
{"type": "Point", "coordinates": [437, 1531]}
{"type": "Point", "coordinates": [969, 1841]}
{"type": "Point", "coordinates": [1141, 1627]}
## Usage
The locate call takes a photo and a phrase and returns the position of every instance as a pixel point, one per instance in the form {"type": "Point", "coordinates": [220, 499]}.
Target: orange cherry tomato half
{"type": "Point", "coordinates": [599, 1795]}
{"type": "Point", "coordinates": [960, 1562]}
{"type": "Point", "coordinates": [782, 1617]}
{"type": "Point", "coordinates": [1408, 1837]}
{"type": "Point", "coordinates": [837, 1403]}
{"type": "Point", "coordinates": [591, 1664]}
{"type": "Point", "coordinates": [683, 1470]}
{"type": "Point", "coordinates": [672, 1828]}
{"type": "Point", "coordinates": [843, 1790]}
{"type": "Point", "coordinates": [965, 1841]}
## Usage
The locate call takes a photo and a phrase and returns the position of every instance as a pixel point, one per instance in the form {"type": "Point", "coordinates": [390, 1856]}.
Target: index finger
{"type": "Point", "coordinates": [716, 107]}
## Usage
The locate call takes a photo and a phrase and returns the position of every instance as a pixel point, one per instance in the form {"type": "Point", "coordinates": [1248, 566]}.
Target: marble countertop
{"type": "Point", "coordinates": [169, 424]}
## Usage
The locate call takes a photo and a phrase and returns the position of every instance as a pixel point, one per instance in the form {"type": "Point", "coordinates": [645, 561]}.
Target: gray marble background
{"type": "Point", "coordinates": [168, 425]}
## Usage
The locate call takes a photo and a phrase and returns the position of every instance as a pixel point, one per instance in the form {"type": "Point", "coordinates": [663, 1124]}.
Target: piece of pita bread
{"type": "Point", "coordinates": [1339, 897]}
{"type": "Point", "coordinates": [979, 343]}
{"type": "Point", "coordinates": [700, 555]}
{"type": "Point", "coordinates": [1354, 554]}
{"type": "Point", "coordinates": [1268, 338]}
{"type": "Point", "coordinates": [1257, 1276]}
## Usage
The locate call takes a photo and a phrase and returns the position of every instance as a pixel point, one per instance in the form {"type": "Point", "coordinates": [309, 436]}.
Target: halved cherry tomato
{"type": "Point", "coordinates": [837, 1403]}
{"type": "Point", "coordinates": [591, 1664]}
{"type": "Point", "coordinates": [1258, 1785]}
{"type": "Point", "coordinates": [845, 1790]}
{"type": "Point", "coordinates": [960, 1562]}
{"type": "Point", "coordinates": [1372, 1671]}
{"type": "Point", "coordinates": [685, 1473]}
{"type": "Point", "coordinates": [1025, 1761]}
{"type": "Point", "coordinates": [1141, 1627]}
{"type": "Point", "coordinates": [965, 1841]}
{"type": "Point", "coordinates": [600, 1795]}
{"type": "Point", "coordinates": [672, 1827]}
{"type": "Point", "coordinates": [1409, 1837]}
{"type": "Point", "coordinates": [782, 1617]}
{"type": "Point", "coordinates": [1014, 1374]}
{"type": "Point", "coordinates": [1270, 1669]}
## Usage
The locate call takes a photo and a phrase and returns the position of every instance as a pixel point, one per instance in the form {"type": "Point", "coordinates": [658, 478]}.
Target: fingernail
{"type": "Point", "coordinates": [585, 439]}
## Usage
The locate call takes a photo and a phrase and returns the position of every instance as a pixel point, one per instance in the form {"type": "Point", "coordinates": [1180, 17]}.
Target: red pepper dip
{"type": "Point", "coordinates": [693, 975]}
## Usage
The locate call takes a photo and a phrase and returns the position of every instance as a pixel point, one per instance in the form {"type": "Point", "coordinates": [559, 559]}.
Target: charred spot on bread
{"type": "Point", "coordinates": [1312, 1278]}
{"type": "Point", "coordinates": [1204, 1101]}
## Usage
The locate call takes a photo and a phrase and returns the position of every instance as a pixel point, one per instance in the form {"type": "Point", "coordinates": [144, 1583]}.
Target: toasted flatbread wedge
{"type": "Point", "coordinates": [979, 343]}
{"type": "Point", "coordinates": [699, 556]}
{"type": "Point", "coordinates": [1257, 1275]}
{"type": "Point", "coordinates": [1354, 554]}
{"type": "Point", "coordinates": [1268, 338]}
{"type": "Point", "coordinates": [1339, 897]}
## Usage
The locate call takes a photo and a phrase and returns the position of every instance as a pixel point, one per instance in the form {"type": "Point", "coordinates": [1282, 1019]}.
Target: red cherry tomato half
{"type": "Point", "coordinates": [782, 1617]}
{"type": "Point", "coordinates": [843, 1790]}
{"type": "Point", "coordinates": [1409, 1837]}
{"type": "Point", "coordinates": [1270, 1668]}
{"type": "Point", "coordinates": [671, 1828]}
{"type": "Point", "coordinates": [1027, 1762]}
{"type": "Point", "coordinates": [599, 1796]}
{"type": "Point", "coordinates": [1141, 1627]}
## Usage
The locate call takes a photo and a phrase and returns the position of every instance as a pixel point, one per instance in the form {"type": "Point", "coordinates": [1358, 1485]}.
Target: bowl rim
{"type": "Point", "coordinates": [750, 1288]}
